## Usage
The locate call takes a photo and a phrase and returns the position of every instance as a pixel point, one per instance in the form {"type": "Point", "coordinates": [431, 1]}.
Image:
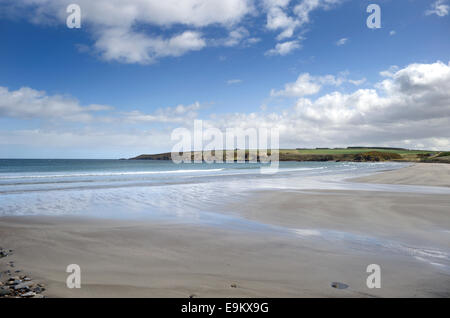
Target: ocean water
{"type": "Point", "coordinates": [192, 193]}
{"type": "Point", "coordinates": [160, 189]}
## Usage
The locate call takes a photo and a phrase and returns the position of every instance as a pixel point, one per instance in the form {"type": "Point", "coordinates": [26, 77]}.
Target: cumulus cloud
{"type": "Point", "coordinates": [305, 7]}
{"type": "Point", "coordinates": [277, 18]}
{"type": "Point", "coordinates": [120, 29]}
{"type": "Point", "coordinates": [131, 47]}
{"type": "Point", "coordinates": [358, 82]}
{"type": "Point", "coordinates": [409, 107]}
{"type": "Point", "coordinates": [284, 48]}
{"type": "Point", "coordinates": [236, 36]}
{"type": "Point", "coordinates": [117, 25]}
{"type": "Point", "coordinates": [304, 85]}
{"type": "Point", "coordinates": [439, 8]}
{"type": "Point", "coordinates": [286, 17]}
{"type": "Point", "coordinates": [341, 42]}
{"type": "Point", "coordinates": [28, 103]}
{"type": "Point", "coordinates": [114, 13]}
{"type": "Point", "coordinates": [307, 84]}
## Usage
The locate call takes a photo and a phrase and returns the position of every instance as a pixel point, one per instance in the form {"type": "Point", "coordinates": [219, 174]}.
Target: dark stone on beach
{"type": "Point", "coordinates": [4, 253]}
{"type": "Point", "coordinates": [233, 286]}
{"type": "Point", "coordinates": [338, 285]}
{"type": "Point", "coordinates": [38, 290]}
{"type": "Point", "coordinates": [26, 286]}
{"type": "Point", "coordinates": [13, 281]}
{"type": "Point", "coordinates": [28, 294]}
{"type": "Point", "coordinates": [4, 292]}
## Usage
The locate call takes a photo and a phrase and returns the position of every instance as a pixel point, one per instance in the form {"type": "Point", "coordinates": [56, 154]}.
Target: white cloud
{"type": "Point", "coordinates": [411, 109]}
{"type": "Point", "coordinates": [115, 13]}
{"type": "Point", "coordinates": [305, 7]}
{"type": "Point", "coordinates": [277, 19]}
{"type": "Point", "coordinates": [28, 103]}
{"type": "Point", "coordinates": [251, 41]}
{"type": "Point", "coordinates": [392, 33]}
{"type": "Point", "coordinates": [284, 48]}
{"type": "Point", "coordinates": [439, 8]}
{"type": "Point", "coordinates": [234, 81]}
{"type": "Point", "coordinates": [358, 82]}
{"type": "Point", "coordinates": [117, 25]}
{"type": "Point", "coordinates": [280, 18]}
{"type": "Point", "coordinates": [179, 114]}
{"type": "Point", "coordinates": [116, 44]}
{"type": "Point", "coordinates": [308, 85]}
{"type": "Point", "coordinates": [237, 36]}
{"type": "Point", "coordinates": [416, 92]}
{"type": "Point", "coordinates": [120, 28]}
{"type": "Point", "coordinates": [304, 85]}
{"type": "Point", "coordinates": [390, 72]}
{"type": "Point", "coordinates": [341, 42]}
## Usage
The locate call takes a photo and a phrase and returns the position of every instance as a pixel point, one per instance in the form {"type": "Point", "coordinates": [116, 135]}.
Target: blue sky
{"type": "Point", "coordinates": [220, 63]}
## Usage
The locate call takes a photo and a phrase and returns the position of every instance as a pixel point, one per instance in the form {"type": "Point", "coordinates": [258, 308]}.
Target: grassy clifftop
{"type": "Point", "coordinates": [357, 154]}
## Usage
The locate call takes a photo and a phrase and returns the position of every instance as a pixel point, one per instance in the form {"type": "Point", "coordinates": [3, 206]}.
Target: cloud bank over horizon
{"type": "Point", "coordinates": [409, 107]}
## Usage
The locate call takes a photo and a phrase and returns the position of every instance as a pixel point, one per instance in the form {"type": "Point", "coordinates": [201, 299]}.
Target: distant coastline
{"type": "Point", "coordinates": [351, 154]}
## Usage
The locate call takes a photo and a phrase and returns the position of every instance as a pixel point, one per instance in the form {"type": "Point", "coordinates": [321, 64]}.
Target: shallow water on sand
{"type": "Point", "coordinates": [115, 188]}
{"type": "Point", "coordinates": [192, 194]}
{"type": "Point", "coordinates": [162, 189]}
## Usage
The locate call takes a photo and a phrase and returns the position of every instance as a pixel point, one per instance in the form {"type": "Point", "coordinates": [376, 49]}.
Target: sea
{"type": "Point", "coordinates": [161, 189]}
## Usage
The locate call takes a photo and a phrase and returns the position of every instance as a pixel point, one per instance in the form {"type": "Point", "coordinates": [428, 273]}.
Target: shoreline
{"type": "Point", "coordinates": [314, 237]}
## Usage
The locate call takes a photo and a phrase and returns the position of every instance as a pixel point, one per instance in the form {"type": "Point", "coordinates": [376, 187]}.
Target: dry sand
{"type": "Point", "coordinates": [148, 259]}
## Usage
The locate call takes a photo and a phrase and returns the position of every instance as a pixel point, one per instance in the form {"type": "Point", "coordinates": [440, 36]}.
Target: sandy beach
{"type": "Point", "coordinates": [429, 174]}
{"type": "Point", "coordinates": [288, 244]}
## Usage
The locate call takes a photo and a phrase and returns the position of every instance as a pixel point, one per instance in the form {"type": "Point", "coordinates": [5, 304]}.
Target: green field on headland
{"type": "Point", "coordinates": [357, 150]}
{"type": "Point", "coordinates": [356, 154]}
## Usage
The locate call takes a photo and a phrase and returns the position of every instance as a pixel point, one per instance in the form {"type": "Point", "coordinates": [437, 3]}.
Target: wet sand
{"type": "Point", "coordinates": [429, 174]}
{"type": "Point", "coordinates": [288, 244]}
